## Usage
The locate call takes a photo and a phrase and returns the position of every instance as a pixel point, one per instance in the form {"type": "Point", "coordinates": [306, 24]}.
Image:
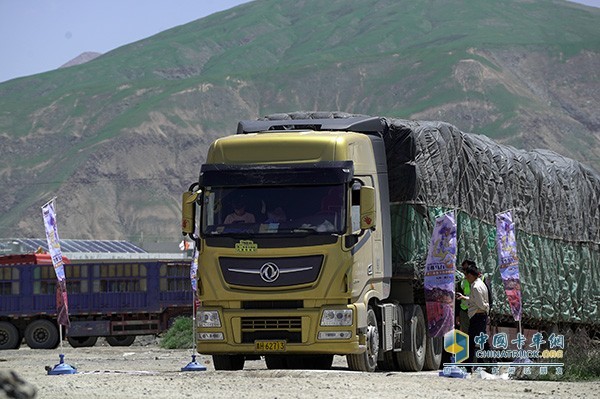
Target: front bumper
{"type": "Point", "coordinates": [299, 329]}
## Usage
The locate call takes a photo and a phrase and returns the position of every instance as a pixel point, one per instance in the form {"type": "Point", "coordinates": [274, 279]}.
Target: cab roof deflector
{"type": "Point", "coordinates": [367, 125]}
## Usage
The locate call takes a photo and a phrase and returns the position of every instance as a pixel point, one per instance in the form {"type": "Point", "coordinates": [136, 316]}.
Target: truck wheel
{"type": "Point", "coordinates": [229, 362]}
{"type": "Point", "coordinates": [413, 358]}
{"type": "Point", "coordinates": [389, 363]}
{"type": "Point", "coordinates": [321, 362]}
{"type": "Point", "coordinates": [367, 361]}
{"type": "Point", "coordinates": [276, 362]}
{"type": "Point", "coordinates": [9, 336]}
{"type": "Point", "coordinates": [433, 353]}
{"type": "Point", "coordinates": [41, 334]}
{"type": "Point", "coordinates": [309, 362]}
{"type": "Point", "coordinates": [120, 340]}
{"type": "Point", "coordinates": [81, 342]}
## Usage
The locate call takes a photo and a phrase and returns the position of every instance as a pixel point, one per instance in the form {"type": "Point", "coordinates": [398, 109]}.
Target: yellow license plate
{"type": "Point", "coordinates": [269, 346]}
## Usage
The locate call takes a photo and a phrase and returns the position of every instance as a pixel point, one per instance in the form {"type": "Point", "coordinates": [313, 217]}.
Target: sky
{"type": "Point", "coordinates": [41, 35]}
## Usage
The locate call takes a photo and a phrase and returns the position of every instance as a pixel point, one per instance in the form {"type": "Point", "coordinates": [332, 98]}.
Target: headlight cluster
{"type": "Point", "coordinates": [336, 317]}
{"type": "Point", "coordinates": [208, 318]}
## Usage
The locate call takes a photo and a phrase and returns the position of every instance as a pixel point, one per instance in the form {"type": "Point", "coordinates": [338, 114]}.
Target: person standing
{"type": "Point", "coordinates": [465, 289]}
{"type": "Point", "coordinates": [478, 307]}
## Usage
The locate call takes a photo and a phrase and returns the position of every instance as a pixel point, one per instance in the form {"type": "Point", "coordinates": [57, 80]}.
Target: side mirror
{"type": "Point", "coordinates": [188, 212]}
{"type": "Point", "coordinates": [368, 210]}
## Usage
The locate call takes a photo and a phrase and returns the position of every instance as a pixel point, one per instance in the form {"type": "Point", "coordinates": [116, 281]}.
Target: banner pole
{"type": "Point", "coordinates": [194, 316]}
{"type": "Point", "coordinates": [504, 211]}
{"type": "Point", "coordinates": [53, 198]}
{"type": "Point", "coordinates": [194, 261]}
{"type": "Point", "coordinates": [194, 365]}
{"type": "Point", "coordinates": [62, 307]}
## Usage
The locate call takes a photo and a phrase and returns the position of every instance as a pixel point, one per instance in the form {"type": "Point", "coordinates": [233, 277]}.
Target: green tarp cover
{"type": "Point", "coordinates": [555, 202]}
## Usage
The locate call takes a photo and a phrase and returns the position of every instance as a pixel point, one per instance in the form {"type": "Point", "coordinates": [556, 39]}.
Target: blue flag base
{"type": "Point", "coordinates": [62, 367]}
{"type": "Point", "coordinates": [453, 372]}
{"type": "Point", "coordinates": [193, 365]}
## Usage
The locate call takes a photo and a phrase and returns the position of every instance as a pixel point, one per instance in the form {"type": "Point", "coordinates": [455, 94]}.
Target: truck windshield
{"type": "Point", "coordinates": [304, 210]}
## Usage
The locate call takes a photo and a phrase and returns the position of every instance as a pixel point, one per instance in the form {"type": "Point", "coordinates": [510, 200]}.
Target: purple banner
{"type": "Point", "coordinates": [194, 270]}
{"type": "Point", "coordinates": [508, 261]}
{"type": "Point", "coordinates": [62, 304]}
{"type": "Point", "coordinates": [439, 276]}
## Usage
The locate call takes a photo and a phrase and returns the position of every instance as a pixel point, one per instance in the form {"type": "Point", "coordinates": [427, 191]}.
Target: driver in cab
{"type": "Point", "coordinates": [239, 214]}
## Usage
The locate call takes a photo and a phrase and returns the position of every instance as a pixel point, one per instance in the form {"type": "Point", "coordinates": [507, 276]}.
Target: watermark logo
{"type": "Point", "coordinates": [503, 354]}
{"type": "Point", "coordinates": [457, 343]}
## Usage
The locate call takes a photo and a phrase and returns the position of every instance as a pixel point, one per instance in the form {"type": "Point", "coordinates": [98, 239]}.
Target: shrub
{"type": "Point", "coordinates": [582, 357]}
{"type": "Point", "coordinates": [179, 335]}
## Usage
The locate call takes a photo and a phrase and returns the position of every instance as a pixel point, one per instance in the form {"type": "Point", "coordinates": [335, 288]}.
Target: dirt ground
{"type": "Point", "coordinates": [145, 370]}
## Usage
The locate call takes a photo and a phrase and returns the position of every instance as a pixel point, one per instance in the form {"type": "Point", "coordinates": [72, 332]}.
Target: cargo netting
{"type": "Point", "coordinates": [555, 202]}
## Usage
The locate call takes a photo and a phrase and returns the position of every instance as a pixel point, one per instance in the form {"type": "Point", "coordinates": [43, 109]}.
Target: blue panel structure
{"type": "Point", "coordinates": [106, 298]}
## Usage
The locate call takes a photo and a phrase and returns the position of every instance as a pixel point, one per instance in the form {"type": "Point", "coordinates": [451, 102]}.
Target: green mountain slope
{"type": "Point", "coordinates": [117, 139]}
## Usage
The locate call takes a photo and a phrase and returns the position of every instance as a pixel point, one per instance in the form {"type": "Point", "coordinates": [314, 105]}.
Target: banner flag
{"type": "Point", "coordinates": [508, 261]}
{"type": "Point", "coordinates": [62, 304]}
{"type": "Point", "coordinates": [439, 276]}
{"type": "Point", "coordinates": [194, 270]}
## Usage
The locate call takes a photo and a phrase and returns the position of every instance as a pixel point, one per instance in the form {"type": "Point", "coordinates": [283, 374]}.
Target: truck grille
{"type": "Point", "coordinates": [271, 323]}
{"type": "Point", "coordinates": [271, 272]}
{"type": "Point", "coordinates": [272, 328]}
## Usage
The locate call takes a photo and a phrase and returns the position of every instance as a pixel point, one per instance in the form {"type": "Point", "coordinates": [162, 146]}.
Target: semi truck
{"type": "Point", "coordinates": [312, 231]}
{"type": "Point", "coordinates": [116, 299]}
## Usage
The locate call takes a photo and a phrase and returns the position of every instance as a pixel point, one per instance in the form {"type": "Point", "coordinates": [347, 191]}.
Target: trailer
{"type": "Point", "coordinates": [117, 299]}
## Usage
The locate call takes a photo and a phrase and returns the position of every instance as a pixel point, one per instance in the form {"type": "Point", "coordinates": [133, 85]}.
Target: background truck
{"type": "Point", "coordinates": [116, 299]}
{"type": "Point", "coordinates": [342, 271]}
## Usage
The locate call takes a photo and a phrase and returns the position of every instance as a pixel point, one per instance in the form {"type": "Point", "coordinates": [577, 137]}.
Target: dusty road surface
{"type": "Point", "coordinates": [147, 371]}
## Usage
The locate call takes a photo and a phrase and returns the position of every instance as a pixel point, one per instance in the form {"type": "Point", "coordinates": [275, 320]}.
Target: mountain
{"type": "Point", "coordinates": [82, 59]}
{"type": "Point", "coordinates": [117, 139]}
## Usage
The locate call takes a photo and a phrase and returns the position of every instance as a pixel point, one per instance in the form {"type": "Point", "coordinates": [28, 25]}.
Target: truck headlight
{"type": "Point", "coordinates": [208, 318]}
{"type": "Point", "coordinates": [336, 317]}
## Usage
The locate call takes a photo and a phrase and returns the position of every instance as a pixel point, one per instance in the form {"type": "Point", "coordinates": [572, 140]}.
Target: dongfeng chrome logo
{"type": "Point", "coordinates": [269, 272]}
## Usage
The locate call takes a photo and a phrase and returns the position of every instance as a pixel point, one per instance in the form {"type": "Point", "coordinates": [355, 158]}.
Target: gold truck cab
{"type": "Point", "coordinates": [291, 229]}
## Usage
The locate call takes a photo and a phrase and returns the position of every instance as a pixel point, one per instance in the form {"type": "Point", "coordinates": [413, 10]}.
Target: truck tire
{"type": "Point", "coordinates": [389, 362]}
{"type": "Point", "coordinates": [413, 358]}
{"type": "Point", "coordinates": [82, 342]}
{"type": "Point", "coordinates": [120, 340]}
{"type": "Point", "coordinates": [42, 334]}
{"type": "Point", "coordinates": [229, 362]}
{"type": "Point", "coordinates": [321, 362]}
{"type": "Point", "coordinates": [276, 362]}
{"type": "Point", "coordinates": [433, 353]}
{"type": "Point", "coordinates": [367, 361]}
{"type": "Point", "coordinates": [9, 336]}
{"type": "Point", "coordinates": [309, 362]}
